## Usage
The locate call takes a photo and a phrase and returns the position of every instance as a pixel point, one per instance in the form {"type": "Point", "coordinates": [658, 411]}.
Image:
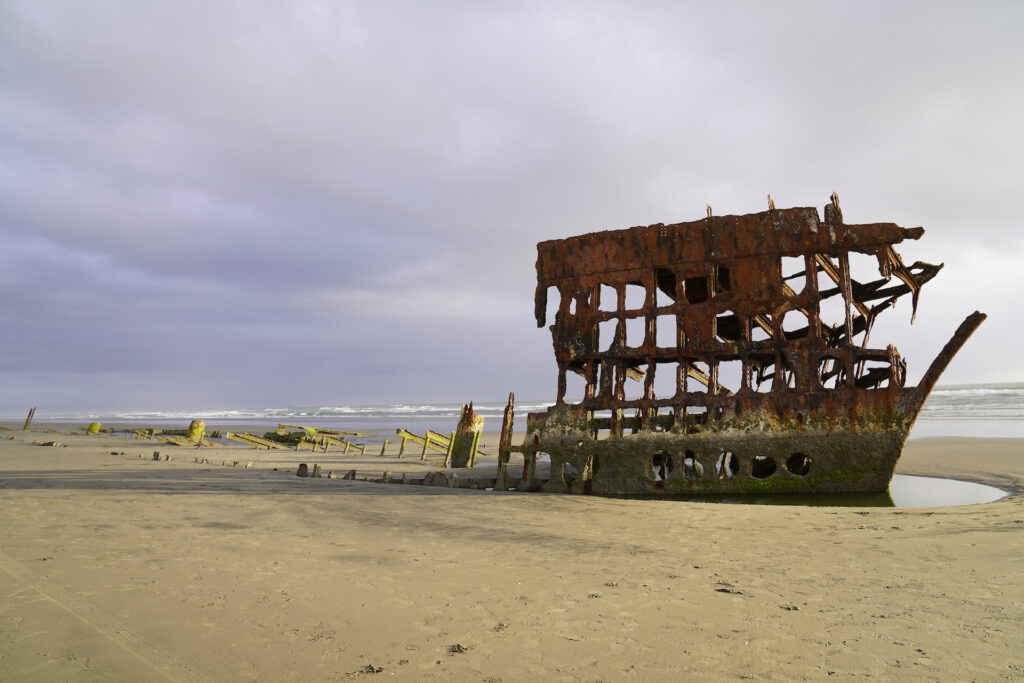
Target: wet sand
{"type": "Point", "coordinates": [118, 567]}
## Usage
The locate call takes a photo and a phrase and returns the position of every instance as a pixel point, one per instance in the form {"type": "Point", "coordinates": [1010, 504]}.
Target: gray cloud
{"type": "Point", "coordinates": [338, 202]}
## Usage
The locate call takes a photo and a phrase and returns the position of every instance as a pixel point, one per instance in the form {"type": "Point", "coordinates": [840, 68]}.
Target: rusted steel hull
{"type": "Point", "coordinates": [851, 447]}
{"type": "Point", "coordinates": [746, 340]}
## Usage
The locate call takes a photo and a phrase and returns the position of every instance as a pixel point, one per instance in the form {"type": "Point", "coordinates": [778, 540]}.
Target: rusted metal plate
{"type": "Point", "coordinates": [740, 339]}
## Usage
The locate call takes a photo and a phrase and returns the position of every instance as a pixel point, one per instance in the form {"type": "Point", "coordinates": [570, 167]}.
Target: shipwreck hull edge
{"type": "Point", "coordinates": [730, 462]}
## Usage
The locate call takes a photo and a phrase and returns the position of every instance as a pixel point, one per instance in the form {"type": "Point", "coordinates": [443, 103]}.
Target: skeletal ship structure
{"type": "Point", "coordinates": [727, 355]}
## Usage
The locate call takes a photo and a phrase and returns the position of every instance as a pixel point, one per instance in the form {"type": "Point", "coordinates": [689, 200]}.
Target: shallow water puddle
{"type": "Point", "coordinates": [905, 491]}
{"type": "Point", "coordinates": [920, 492]}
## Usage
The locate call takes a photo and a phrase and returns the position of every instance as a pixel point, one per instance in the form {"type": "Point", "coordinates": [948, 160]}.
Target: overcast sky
{"type": "Point", "coordinates": [263, 204]}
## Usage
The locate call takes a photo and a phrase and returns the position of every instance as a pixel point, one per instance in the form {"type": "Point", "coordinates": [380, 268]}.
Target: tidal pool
{"type": "Point", "coordinates": [925, 492]}
{"type": "Point", "coordinates": [905, 491]}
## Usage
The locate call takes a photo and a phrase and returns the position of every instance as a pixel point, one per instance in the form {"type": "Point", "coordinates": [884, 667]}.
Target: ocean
{"type": "Point", "coordinates": [985, 410]}
{"type": "Point", "coordinates": [982, 410]}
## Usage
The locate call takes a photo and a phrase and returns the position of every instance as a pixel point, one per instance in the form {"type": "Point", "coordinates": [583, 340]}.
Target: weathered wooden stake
{"type": "Point", "coordinates": [383, 447]}
{"type": "Point", "coordinates": [472, 454]}
{"type": "Point", "coordinates": [451, 445]}
{"type": "Point", "coordinates": [529, 465]}
{"type": "Point", "coordinates": [470, 425]}
{"type": "Point", "coordinates": [28, 420]}
{"type": "Point", "coordinates": [196, 430]}
{"type": "Point", "coordinates": [505, 444]}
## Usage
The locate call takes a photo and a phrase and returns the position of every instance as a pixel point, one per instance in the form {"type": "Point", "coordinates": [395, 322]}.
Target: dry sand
{"type": "Point", "coordinates": [116, 567]}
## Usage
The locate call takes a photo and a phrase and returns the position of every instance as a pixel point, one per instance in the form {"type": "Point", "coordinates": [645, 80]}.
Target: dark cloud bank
{"type": "Point", "coordinates": [272, 204]}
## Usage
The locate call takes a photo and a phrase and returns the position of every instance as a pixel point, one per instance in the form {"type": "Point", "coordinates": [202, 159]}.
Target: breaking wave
{"type": "Point", "coordinates": [946, 405]}
{"type": "Point", "coordinates": [440, 417]}
{"type": "Point", "coordinates": [977, 402]}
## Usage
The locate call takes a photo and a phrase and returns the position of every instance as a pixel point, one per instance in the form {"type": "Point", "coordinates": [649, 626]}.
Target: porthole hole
{"type": "Point", "coordinates": [692, 469]}
{"type": "Point", "coordinates": [569, 473]}
{"type": "Point", "coordinates": [727, 466]}
{"type": "Point", "coordinates": [762, 466]}
{"type": "Point", "coordinates": [661, 465]}
{"type": "Point", "coordinates": [799, 464]}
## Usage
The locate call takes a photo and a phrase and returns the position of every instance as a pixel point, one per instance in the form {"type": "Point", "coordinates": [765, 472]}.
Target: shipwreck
{"type": "Point", "coordinates": [726, 355]}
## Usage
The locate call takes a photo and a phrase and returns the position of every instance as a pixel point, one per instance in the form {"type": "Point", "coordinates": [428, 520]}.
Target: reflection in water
{"type": "Point", "coordinates": [904, 492]}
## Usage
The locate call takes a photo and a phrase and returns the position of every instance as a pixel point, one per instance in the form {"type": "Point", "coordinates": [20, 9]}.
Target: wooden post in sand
{"type": "Point", "coordinates": [472, 454]}
{"type": "Point", "coordinates": [505, 444]}
{"type": "Point", "coordinates": [529, 465]}
{"type": "Point", "coordinates": [28, 420]}
{"type": "Point", "coordinates": [448, 454]}
{"type": "Point", "coordinates": [383, 448]}
{"type": "Point", "coordinates": [196, 431]}
{"type": "Point", "coordinates": [466, 435]}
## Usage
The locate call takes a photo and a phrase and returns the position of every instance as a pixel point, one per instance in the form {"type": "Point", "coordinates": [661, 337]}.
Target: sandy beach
{"type": "Point", "coordinates": [118, 567]}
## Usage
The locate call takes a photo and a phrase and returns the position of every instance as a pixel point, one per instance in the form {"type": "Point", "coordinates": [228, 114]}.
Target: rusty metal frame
{"type": "Point", "coordinates": [719, 286]}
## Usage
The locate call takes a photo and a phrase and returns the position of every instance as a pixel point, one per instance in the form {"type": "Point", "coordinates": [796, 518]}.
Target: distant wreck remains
{"type": "Point", "coordinates": [726, 355]}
